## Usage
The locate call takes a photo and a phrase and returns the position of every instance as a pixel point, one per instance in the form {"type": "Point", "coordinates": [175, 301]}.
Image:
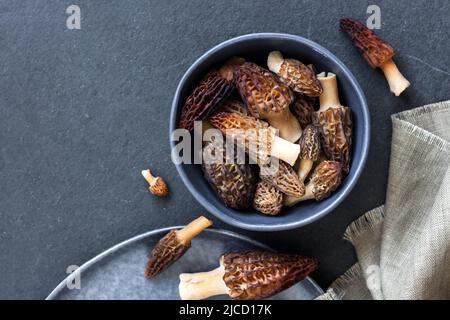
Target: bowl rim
{"type": "Point", "coordinates": [344, 192]}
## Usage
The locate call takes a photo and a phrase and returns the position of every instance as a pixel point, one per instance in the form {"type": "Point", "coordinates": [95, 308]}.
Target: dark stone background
{"type": "Point", "coordinates": [83, 111]}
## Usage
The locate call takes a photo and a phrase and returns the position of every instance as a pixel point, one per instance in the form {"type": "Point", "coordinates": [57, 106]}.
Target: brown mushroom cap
{"type": "Point", "coordinates": [336, 130]}
{"type": "Point", "coordinates": [173, 246]}
{"type": "Point", "coordinates": [234, 105]}
{"type": "Point", "coordinates": [295, 74]}
{"type": "Point", "coordinates": [157, 185]}
{"type": "Point", "coordinates": [310, 143]}
{"type": "Point", "coordinates": [204, 100]}
{"type": "Point", "coordinates": [234, 183]}
{"type": "Point", "coordinates": [326, 178]}
{"type": "Point", "coordinates": [284, 179]}
{"type": "Point", "coordinates": [267, 199]}
{"type": "Point", "coordinates": [261, 90]}
{"type": "Point", "coordinates": [303, 109]}
{"type": "Point", "coordinates": [167, 251]}
{"type": "Point", "coordinates": [252, 131]}
{"type": "Point", "coordinates": [259, 275]}
{"type": "Point", "coordinates": [374, 49]}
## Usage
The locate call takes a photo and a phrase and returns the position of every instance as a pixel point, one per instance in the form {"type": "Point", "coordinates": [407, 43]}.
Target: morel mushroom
{"type": "Point", "coordinates": [157, 185]}
{"type": "Point", "coordinates": [303, 109]}
{"type": "Point", "coordinates": [173, 246]}
{"type": "Point", "coordinates": [377, 52]}
{"type": "Point", "coordinates": [234, 105]}
{"type": "Point", "coordinates": [326, 178]}
{"type": "Point", "coordinates": [335, 122]}
{"type": "Point", "coordinates": [267, 98]}
{"type": "Point", "coordinates": [284, 179]}
{"type": "Point", "coordinates": [259, 138]}
{"type": "Point", "coordinates": [247, 276]}
{"type": "Point", "coordinates": [267, 199]}
{"type": "Point", "coordinates": [204, 100]}
{"type": "Point", "coordinates": [233, 182]}
{"type": "Point", "coordinates": [309, 150]}
{"type": "Point", "coordinates": [295, 74]}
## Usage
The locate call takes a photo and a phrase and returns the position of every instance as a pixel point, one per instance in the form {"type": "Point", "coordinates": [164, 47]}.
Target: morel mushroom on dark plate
{"type": "Point", "coordinates": [247, 275]}
{"type": "Point", "coordinates": [233, 182]}
{"type": "Point", "coordinates": [173, 246]}
{"type": "Point", "coordinates": [377, 52]}
{"type": "Point", "coordinates": [295, 74]}
{"type": "Point", "coordinates": [326, 178]}
{"type": "Point", "coordinates": [206, 97]}
{"type": "Point", "coordinates": [335, 122]}
{"type": "Point", "coordinates": [259, 138]}
{"type": "Point", "coordinates": [267, 98]}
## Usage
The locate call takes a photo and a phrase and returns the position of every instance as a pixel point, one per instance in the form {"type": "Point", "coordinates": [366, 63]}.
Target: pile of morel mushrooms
{"type": "Point", "coordinates": [240, 275]}
{"type": "Point", "coordinates": [284, 115]}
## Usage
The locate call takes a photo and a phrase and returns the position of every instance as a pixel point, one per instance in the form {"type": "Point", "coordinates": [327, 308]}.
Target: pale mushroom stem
{"type": "Point", "coordinates": [330, 96]}
{"type": "Point", "coordinates": [397, 82]}
{"type": "Point", "coordinates": [288, 126]}
{"type": "Point", "coordinates": [274, 61]}
{"type": "Point", "coordinates": [285, 150]}
{"type": "Point", "coordinates": [186, 234]}
{"type": "Point", "coordinates": [202, 285]}
{"type": "Point", "coordinates": [309, 195]}
{"type": "Point", "coordinates": [304, 168]}
{"type": "Point", "coordinates": [148, 176]}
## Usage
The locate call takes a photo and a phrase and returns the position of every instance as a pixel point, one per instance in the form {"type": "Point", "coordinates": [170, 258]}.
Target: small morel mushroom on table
{"type": "Point", "coordinates": [267, 98]}
{"type": "Point", "coordinates": [377, 52]}
{"type": "Point", "coordinates": [309, 150]}
{"type": "Point", "coordinates": [206, 97]}
{"type": "Point", "coordinates": [173, 246]}
{"type": "Point", "coordinates": [157, 185]}
{"type": "Point", "coordinates": [247, 275]}
{"type": "Point", "coordinates": [326, 178]}
{"type": "Point", "coordinates": [335, 122]}
{"type": "Point", "coordinates": [259, 138]}
{"type": "Point", "coordinates": [295, 74]}
{"type": "Point", "coordinates": [268, 199]}
{"type": "Point", "coordinates": [284, 178]}
{"type": "Point", "coordinates": [233, 182]}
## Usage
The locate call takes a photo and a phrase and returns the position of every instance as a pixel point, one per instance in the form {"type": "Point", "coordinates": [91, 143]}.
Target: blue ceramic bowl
{"type": "Point", "coordinates": [255, 48]}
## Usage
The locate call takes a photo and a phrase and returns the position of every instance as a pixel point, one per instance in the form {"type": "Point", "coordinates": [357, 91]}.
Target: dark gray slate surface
{"type": "Point", "coordinates": [83, 111]}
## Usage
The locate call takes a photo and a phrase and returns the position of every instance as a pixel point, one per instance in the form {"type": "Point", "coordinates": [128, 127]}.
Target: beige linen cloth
{"type": "Point", "coordinates": [403, 247]}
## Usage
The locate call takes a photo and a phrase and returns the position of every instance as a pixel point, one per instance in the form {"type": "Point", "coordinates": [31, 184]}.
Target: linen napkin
{"type": "Point", "coordinates": [403, 247]}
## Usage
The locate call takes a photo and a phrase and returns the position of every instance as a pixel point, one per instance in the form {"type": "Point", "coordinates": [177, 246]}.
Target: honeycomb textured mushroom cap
{"type": "Point", "coordinates": [261, 90]}
{"type": "Point", "coordinates": [165, 253]}
{"type": "Point", "coordinates": [303, 109]}
{"type": "Point", "coordinates": [326, 178]}
{"type": "Point", "coordinates": [259, 275]}
{"type": "Point", "coordinates": [204, 100]}
{"type": "Point", "coordinates": [268, 199]}
{"type": "Point", "coordinates": [284, 178]}
{"type": "Point", "coordinates": [310, 143]}
{"type": "Point", "coordinates": [233, 183]}
{"type": "Point", "coordinates": [295, 74]}
{"type": "Point", "coordinates": [173, 246]}
{"type": "Point", "coordinates": [234, 105]}
{"type": "Point", "coordinates": [249, 130]}
{"type": "Point", "coordinates": [336, 130]}
{"type": "Point", "coordinates": [374, 49]}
